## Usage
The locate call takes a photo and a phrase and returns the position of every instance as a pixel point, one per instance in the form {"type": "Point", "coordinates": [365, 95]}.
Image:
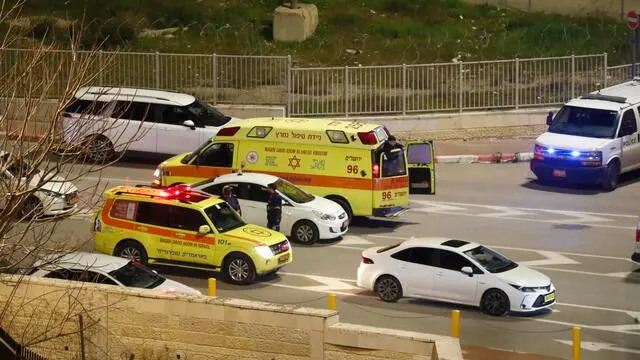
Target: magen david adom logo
{"type": "Point", "coordinates": [252, 157]}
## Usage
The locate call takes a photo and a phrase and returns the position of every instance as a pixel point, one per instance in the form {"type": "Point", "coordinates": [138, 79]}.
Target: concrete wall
{"type": "Point", "coordinates": [612, 8]}
{"type": "Point", "coordinates": [149, 325]}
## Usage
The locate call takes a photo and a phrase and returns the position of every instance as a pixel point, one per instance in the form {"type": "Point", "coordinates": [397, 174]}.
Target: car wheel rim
{"type": "Point", "coordinates": [99, 150]}
{"type": "Point", "coordinates": [131, 254]}
{"type": "Point", "coordinates": [495, 303]}
{"type": "Point", "coordinates": [31, 207]}
{"type": "Point", "coordinates": [239, 270]}
{"type": "Point", "coordinates": [304, 233]}
{"type": "Point", "coordinates": [388, 289]}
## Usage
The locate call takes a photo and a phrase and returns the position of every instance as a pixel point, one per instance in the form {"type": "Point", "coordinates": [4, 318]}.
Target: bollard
{"type": "Point", "coordinates": [212, 287]}
{"type": "Point", "coordinates": [332, 301]}
{"type": "Point", "coordinates": [576, 343]}
{"type": "Point", "coordinates": [455, 323]}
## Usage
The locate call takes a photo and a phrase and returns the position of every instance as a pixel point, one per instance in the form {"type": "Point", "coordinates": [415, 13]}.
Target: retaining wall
{"type": "Point", "coordinates": [123, 322]}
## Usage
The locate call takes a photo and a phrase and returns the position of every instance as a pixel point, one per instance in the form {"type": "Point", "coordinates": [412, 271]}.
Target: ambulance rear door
{"type": "Point", "coordinates": [420, 158]}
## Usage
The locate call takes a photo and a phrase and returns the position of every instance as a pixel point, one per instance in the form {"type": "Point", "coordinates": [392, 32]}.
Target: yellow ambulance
{"type": "Point", "coordinates": [339, 160]}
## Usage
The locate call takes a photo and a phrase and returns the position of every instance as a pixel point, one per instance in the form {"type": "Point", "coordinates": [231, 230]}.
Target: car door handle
{"type": "Point", "coordinates": [179, 234]}
{"type": "Point", "coordinates": [439, 274]}
{"type": "Point", "coordinates": [142, 228]}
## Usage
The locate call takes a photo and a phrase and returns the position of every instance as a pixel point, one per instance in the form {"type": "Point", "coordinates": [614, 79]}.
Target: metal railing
{"type": "Point", "coordinates": [347, 91]}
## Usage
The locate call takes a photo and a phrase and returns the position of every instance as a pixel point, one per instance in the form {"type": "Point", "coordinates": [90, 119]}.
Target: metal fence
{"type": "Point", "coordinates": [345, 91]}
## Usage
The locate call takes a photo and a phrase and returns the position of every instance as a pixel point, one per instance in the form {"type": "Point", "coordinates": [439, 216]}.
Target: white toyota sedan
{"type": "Point", "coordinates": [455, 271]}
{"type": "Point", "coordinates": [105, 269]}
{"type": "Point", "coordinates": [56, 196]}
{"type": "Point", "coordinates": [306, 218]}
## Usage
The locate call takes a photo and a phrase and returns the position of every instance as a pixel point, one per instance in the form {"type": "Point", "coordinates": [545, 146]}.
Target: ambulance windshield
{"type": "Point", "coordinates": [586, 122]}
{"type": "Point", "coordinates": [224, 218]}
{"type": "Point", "coordinates": [293, 192]}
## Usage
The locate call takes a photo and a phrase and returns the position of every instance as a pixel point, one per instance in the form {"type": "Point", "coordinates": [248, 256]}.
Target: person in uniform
{"type": "Point", "coordinates": [274, 208]}
{"type": "Point", "coordinates": [231, 198]}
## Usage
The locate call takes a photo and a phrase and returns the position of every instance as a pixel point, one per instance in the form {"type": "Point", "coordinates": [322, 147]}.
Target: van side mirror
{"type": "Point", "coordinates": [204, 229]}
{"type": "Point", "coordinates": [189, 124]}
{"type": "Point", "coordinates": [467, 270]}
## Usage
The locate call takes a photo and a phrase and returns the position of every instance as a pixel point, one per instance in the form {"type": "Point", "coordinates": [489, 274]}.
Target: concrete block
{"type": "Point", "coordinates": [295, 24]}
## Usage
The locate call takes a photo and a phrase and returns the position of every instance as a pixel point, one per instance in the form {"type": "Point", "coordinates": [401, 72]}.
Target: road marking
{"type": "Point", "coordinates": [552, 258]}
{"type": "Point", "coordinates": [579, 217]}
{"type": "Point", "coordinates": [354, 240]}
{"type": "Point", "coordinates": [599, 346]}
{"type": "Point", "coordinates": [504, 211]}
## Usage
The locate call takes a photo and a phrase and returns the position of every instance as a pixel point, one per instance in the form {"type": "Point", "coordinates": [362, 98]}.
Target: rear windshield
{"type": "Point", "coordinates": [86, 107]}
{"type": "Point", "coordinates": [393, 163]}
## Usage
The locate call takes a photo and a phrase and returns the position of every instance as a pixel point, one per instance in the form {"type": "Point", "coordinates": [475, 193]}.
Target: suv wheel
{"type": "Point", "coordinates": [239, 269]}
{"type": "Point", "coordinates": [131, 250]}
{"type": "Point", "coordinates": [99, 150]}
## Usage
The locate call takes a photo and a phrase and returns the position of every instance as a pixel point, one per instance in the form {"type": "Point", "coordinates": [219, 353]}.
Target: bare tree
{"type": "Point", "coordinates": [59, 169]}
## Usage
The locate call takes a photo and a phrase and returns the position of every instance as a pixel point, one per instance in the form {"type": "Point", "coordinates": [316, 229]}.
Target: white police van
{"type": "Point", "coordinates": [592, 139]}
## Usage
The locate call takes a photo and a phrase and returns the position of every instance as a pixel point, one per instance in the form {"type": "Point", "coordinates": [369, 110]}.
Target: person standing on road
{"type": "Point", "coordinates": [231, 198]}
{"type": "Point", "coordinates": [274, 208]}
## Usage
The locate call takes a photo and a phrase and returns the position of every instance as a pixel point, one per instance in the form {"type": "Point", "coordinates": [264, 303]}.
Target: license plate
{"type": "Point", "coordinates": [549, 297]}
{"type": "Point", "coordinates": [72, 200]}
{"type": "Point", "coordinates": [345, 223]}
{"type": "Point", "coordinates": [283, 258]}
{"type": "Point", "coordinates": [559, 173]}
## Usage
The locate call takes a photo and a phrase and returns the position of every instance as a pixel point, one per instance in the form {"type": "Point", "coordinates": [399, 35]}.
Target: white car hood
{"type": "Point", "coordinates": [571, 142]}
{"type": "Point", "coordinates": [524, 276]}
{"type": "Point", "coordinates": [57, 184]}
{"type": "Point", "coordinates": [176, 287]}
{"type": "Point", "coordinates": [326, 206]}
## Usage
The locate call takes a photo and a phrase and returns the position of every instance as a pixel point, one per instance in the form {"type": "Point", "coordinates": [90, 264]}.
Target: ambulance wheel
{"type": "Point", "coordinates": [610, 181]}
{"type": "Point", "coordinates": [132, 250]}
{"type": "Point", "coordinates": [239, 269]}
{"type": "Point", "coordinates": [344, 204]}
{"type": "Point", "coordinates": [305, 232]}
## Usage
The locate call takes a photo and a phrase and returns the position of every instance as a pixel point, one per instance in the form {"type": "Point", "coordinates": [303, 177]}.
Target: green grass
{"type": "Point", "coordinates": [385, 31]}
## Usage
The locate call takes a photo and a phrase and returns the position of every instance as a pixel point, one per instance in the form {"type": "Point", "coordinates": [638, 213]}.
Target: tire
{"type": "Point", "coordinates": [239, 269]}
{"type": "Point", "coordinates": [99, 150]}
{"type": "Point", "coordinates": [388, 288]}
{"type": "Point", "coordinates": [32, 208]}
{"type": "Point", "coordinates": [305, 232]}
{"type": "Point", "coordinates": [495, 303]}
{"type": "Point", "coordinates": [345, 206]}
{"type": "Point", "coordinates": [133, 250]}
{"type": "Point", "coordinates": [610, 182]}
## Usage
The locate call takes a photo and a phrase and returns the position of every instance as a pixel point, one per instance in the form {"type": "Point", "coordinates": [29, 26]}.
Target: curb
{"type": "Point", "coordinates": [495, 158]}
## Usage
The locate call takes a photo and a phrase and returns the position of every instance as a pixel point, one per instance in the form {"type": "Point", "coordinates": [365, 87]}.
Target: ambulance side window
{"type": "Point", "coordinates": [257, 193]}
{"type": "Point", "coordinates": [153, 214]}
{"type": "Point", "coordinates": [628, 126]}
{"type": "Point", "coordinates": [186, 219]}
{"type": "Point", "coordinates": [218, 154]}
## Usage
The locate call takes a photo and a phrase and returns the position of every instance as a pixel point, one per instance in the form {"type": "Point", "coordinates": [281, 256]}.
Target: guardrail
{"type": "Point", "coordinates": [345, 91]}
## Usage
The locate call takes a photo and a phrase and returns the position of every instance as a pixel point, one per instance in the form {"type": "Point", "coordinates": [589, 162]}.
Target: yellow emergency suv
{"type": "Point", "coordinates": [179, 227]}
{"type": "Point", "coordinates": [339, 160]}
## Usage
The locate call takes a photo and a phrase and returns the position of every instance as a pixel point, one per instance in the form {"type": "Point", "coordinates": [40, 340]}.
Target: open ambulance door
{"type": "Point", "coordinates": [422, 176]}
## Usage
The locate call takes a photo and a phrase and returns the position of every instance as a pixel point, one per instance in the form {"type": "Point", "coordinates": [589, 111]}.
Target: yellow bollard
{"type": "Point", "coordinates": [212, 287]}
{"type": "Point", "coordinates": [332, 301]}
{"type": "Point", "coordinates": [576, 343]}
{"type": "Point", "coordinates": [455, 323]}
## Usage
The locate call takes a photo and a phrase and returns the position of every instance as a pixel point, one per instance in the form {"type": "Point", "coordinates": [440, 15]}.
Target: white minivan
{"type": "Point", "coordinates": [592, 139]}
{"type": "Point", "coordinates": [109, 120]}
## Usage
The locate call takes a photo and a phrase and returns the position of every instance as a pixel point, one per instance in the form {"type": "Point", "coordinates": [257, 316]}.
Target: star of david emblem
{"type": "Point", "coordinates": [294, 162]}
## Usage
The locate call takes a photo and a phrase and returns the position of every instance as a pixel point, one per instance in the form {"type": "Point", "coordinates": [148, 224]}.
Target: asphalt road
{"type": "Point", "coordinates": [580, 237]}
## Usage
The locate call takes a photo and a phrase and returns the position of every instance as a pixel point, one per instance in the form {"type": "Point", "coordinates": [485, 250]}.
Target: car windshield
{"type": "Point", "coordinates": [293, 192]}
{"type": "Point", "coordinates": [492, 261]}
{"type": "Point", "coordinates": [137, 276]}
{"type": "Point", "coordinates": [207, 113]}
{"type": "Point", "coordinates": [224, 218]}
{"type": "Point", "coordinates": [579, 121]}
{"type": "Point", "coordinates": [187, 159]}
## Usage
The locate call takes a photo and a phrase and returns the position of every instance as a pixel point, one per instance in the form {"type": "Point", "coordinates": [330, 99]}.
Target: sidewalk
{"type": "Point", "coordinates": [480, 353]}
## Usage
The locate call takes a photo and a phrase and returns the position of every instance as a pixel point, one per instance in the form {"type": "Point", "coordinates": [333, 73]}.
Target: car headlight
{"type": "Point", "coordinates": [264, 251]}
{"type": "Point", "coordinates": [323, 216]}
{"type": "Point", "coordinates": [156, 174]}
{"type": "Point", "coordinates": [523, 289]}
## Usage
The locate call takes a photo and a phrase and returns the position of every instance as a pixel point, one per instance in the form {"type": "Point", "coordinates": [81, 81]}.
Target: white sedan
{"type": "Point", "coordinates": [306, 218]}
{"type": "Point", "coordinates": [454, 271]}
{"type": "Point", "coordinates": [105, 269]}
{"type": "Point", "coordinates": [56, 196]}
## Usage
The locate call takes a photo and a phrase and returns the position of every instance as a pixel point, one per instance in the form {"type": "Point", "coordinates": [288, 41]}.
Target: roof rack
{"type": "Point", "coordinates": [617, 99]}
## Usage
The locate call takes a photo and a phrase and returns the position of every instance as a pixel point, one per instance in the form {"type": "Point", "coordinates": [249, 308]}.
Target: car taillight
{"type": "Point", "coordinates": [638, 232]}
{"type": "Point", "coordinates": [375, 170]}
{"type": "Point", "coordinates": [366, 260]}
{"type": "Point", "coordinates": [230, 131]}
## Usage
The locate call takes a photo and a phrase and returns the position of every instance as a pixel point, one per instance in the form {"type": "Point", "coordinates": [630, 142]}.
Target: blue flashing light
{"type": "Point", "coordinates": [575, 153]}
{"type": "Point", "coordinates": [551, 150]}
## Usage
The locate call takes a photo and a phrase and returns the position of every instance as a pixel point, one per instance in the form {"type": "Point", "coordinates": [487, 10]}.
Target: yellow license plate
{"type": "Point", "coordinates": [73, 200]}
{"type": "Point", "coordinates": [283, 258]}
{"type": "Point", "coordinates": [549, 297]}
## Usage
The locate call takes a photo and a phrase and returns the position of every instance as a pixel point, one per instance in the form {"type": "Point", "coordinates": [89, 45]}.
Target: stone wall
{"type": "Point", "coordinates": [123, 322]}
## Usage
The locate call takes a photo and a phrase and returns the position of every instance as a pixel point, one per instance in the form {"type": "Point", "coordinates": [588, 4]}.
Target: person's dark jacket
{"type": "Point", "coordinates": [233, 202]}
